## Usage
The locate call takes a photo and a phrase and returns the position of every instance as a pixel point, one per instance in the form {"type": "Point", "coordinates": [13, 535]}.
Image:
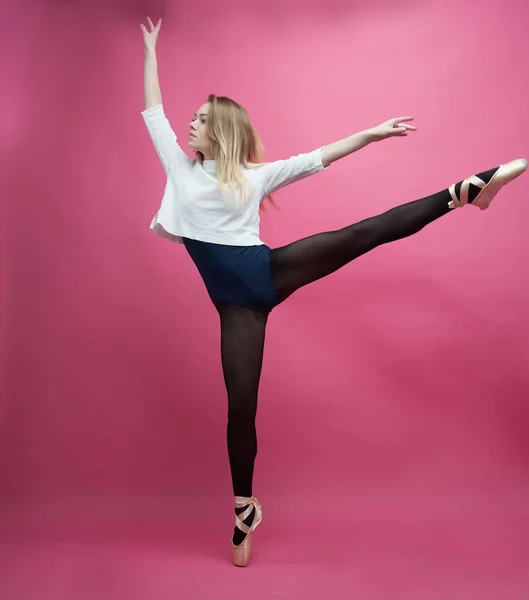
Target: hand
{"type": "Point", "coordinates": [392, 128]}
{"type": "Point", "coordinates": [150, 37]}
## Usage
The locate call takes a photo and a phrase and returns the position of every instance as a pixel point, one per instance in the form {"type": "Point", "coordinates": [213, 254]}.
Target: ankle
{"type": "Point", "coordinates": [239, 535]}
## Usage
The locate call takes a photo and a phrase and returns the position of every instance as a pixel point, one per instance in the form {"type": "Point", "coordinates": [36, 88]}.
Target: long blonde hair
{"type": "Point", "coordinates": [235, 144]}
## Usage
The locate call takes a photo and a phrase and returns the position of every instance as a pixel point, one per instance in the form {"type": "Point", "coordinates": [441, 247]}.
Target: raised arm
{"type": "Point", "coordinates": [391, 128]}
{"type": "Point", "coordinates": [160, 130]}
{"type": "Point", "coordinates": [152, 92]}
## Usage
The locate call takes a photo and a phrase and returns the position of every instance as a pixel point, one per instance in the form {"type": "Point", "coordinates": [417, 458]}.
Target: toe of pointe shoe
{"type": "Point", "coordinates": [241, 554]}
{"type": "Point", "coordinates": [515, 167]}
{"type": "Point", "coordinates": [505, 174]}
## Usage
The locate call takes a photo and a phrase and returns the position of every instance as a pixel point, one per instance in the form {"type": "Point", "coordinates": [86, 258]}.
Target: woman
{"type": "Point", "coordinates": [211, 205]}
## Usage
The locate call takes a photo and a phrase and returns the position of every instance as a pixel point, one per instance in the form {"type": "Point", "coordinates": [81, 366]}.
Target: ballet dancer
{"type": "Point", "coordinates": [211, 205]}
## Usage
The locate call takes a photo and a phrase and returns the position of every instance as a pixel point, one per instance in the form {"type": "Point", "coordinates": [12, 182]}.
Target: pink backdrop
{"type": "Point", "coordinates": [393, 416]}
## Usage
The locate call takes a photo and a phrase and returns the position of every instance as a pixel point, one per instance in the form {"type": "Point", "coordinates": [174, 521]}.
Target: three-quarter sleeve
{"type": "Point", "coordinates": [280, 173]}
{"type": "Point", "coordinates": [163, 138]}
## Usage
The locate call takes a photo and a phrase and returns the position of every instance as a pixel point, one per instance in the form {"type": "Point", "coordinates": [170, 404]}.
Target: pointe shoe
{"type": "Point", "coordinates": [504, 174]}
{"type": "Point", "coordinates": [241, 553]}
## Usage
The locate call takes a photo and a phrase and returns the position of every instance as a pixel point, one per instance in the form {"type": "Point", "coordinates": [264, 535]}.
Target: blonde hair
{"type": "Point", "coordinates": [235, 144]}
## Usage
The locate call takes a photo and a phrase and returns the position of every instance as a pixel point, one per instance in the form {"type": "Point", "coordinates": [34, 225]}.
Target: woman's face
{"type": "Point", "coordinates": [198, 139]}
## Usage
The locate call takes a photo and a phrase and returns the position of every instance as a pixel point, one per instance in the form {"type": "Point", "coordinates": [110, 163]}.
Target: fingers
{"type": "Point", "coordinates": [399, 123]}
{"type": "Point", "coordinates": [152, 28]}
{"type": "Point", "coordinates": [402, 130]}
{"type": "Point", "coordinates": [403, 127]}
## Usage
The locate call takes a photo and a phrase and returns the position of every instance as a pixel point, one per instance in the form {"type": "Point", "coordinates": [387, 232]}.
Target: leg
{"type": "Point", "coordinates": [242, 345]}
{"type": "Point", "coordinates": [314, 257]}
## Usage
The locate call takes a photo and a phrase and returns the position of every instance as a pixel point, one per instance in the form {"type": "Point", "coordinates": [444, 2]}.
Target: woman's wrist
{"type": "Point", "coordinates": [372, 135]}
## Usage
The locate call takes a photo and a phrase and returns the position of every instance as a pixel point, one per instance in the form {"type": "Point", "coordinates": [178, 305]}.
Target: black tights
{"type": "Point", "coordinates": [292, 267]}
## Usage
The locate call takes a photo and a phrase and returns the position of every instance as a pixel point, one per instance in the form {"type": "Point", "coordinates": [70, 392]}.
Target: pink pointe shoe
{"type": "Point", "coordinates": [489, 188]}
{"type": "Point", "coordinates": [241, 553]}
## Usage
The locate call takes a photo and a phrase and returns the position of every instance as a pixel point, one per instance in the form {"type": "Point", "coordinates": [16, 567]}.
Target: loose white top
{"type": "Point", "coordinates": [192, 205]}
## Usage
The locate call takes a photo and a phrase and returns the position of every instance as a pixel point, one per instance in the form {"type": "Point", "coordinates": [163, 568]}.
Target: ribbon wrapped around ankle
{"type": "Point", "coordinates": [463, 192]}
{"type": "Point", "coordinates": [252, 503]}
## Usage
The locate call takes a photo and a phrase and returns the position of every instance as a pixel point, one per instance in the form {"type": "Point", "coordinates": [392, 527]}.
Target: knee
{"type": "Point", "coordinates": [241, 409]}
{"type": "Point", "coordinates": [368, 236]}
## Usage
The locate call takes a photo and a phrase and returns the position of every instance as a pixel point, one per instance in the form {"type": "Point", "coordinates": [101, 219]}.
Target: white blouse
{"type": "Point", "coordinates": [192, 205]}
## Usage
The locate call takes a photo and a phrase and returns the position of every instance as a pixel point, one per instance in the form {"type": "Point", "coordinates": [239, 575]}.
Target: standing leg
{"type": "Point", "coordinates": [242, 345]}
{"type": "Point", "coordinates": [314, 257]}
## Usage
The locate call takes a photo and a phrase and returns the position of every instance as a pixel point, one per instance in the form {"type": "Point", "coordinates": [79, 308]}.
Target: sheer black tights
{"type": "Point", "coordinates": [292, 267]}
{"type": "Point", "coordinates": [242, 344]}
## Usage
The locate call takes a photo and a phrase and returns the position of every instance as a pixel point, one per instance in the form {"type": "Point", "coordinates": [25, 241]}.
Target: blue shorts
{"type": "Point", "coordinates": [235, 274]}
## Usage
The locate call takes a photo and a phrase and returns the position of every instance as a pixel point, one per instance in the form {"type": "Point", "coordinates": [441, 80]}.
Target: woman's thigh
{"type": "Point", "coordinates": [242, 344]}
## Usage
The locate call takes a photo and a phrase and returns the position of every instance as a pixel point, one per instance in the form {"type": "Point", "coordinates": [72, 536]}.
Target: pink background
{"type": "Point", "coordinates": [393, 416]}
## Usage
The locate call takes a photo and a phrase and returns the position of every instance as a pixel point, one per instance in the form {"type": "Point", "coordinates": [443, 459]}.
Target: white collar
{"type": "Point", "coordinates": [210, 166]}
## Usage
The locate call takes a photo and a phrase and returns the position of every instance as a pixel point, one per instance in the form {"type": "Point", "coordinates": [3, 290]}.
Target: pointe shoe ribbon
{"type": "Point", "coordinates": [463, 192]}
{"type": "Point", "coordinates": [252, 503]}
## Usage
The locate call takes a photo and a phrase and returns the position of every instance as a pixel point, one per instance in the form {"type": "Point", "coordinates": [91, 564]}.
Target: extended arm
{"type": "Point", "coordinates": [391, 128]}
{"type": "Point", "coordinates": [337, 150]}
{"type": "Point", "coordinates": [284, 172]}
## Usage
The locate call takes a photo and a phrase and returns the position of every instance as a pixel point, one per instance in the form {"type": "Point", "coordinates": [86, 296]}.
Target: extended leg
{"type": "Point", "coordinates": [314, 257]}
